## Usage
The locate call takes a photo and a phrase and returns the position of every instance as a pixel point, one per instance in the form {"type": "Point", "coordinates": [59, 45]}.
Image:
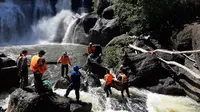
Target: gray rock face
{"type": "Point", "coordinates": [8, 73]}
{"type": "Point", "coordinates": [108, 13]}
{"type": "Point", "coordinates": [104, 31]}
{"type": "Point", "coordinates": [183, 41]}
{"type": "Point", "coordinates": [196, 41]}
{"type": "Point", "coordinates": [101, 5]}
{"type": "Point", "coordinates": [23, 101]}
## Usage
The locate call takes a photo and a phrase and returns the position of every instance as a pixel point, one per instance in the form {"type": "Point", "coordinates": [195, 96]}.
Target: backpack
{"type": "Point", "coordinates": [19, 62]}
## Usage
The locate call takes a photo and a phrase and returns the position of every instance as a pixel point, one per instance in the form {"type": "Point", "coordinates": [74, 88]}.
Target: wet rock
{"type": "Point", "coordinates": [93, 67]}
{"type": "Point", "coordinates": [108, 13]}
{"type": "Point", "coordinates": [23, 101]}
{"type": "Point", "coordinates": [2, 55]}
{"type": "Point", "coordinates": [104, 31]}
{"type": "Point", "coordinates": [8, 73]}
{"type": "Point", "coordinates": [92, 80]}
{"type": "Point", "coordinates": [101, 5]}
{"type": "Point", "coordinates": [183, 41]}
{"type": "Point", "coordinates": [62, 83]}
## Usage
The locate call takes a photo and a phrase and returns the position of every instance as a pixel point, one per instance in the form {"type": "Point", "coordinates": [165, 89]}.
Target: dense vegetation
{"type": "Point", "coordinates": [155, 17]}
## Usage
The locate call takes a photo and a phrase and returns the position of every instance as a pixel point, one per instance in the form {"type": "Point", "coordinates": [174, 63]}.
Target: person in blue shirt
{"type": "Point", "coordinates": [75, 82]}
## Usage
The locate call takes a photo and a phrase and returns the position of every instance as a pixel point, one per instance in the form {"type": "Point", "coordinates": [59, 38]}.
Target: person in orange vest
{"type": "Point", "coordinates": [65, 61]}
{"type": "Point", "coordinates": [124, 80]}
{"type": "Point", "coordinates": [23, 68]}
{"type": "Point", "coordinates": [108, 79]}
{"type": "Point", "coordinates": [38, 67]}
{"type": "Point", "coordinates": [90, 48]}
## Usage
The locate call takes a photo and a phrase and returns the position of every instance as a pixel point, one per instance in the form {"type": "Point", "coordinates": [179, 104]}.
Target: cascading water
{"type": "Point", "coordinates": [31, 22]}
{"type": "Point", "coordinates": [11, 18]}
{"type": "Point", "coordinates": [16, 18]}
{"type": "Point", "coordinates": [42, 8]}
{"type": "Point", "coordinates": [63, 5]}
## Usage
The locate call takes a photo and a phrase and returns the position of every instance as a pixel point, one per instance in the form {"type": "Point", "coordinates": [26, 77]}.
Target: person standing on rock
{"type": "Point", "coordinates": [65, 61]}
{"type": "Point", "coordinates": [124, 80]}
{"type": "Point", "coordinates": [23, 68]}
{"type": "Point", "coordinates": [38, 67]}
{"type": "Point", "coordinates": [75, 82]}
{"type": "Point", "coordinates": [108, 79]}
{"type": "Point", "coordinates": [90, 48]}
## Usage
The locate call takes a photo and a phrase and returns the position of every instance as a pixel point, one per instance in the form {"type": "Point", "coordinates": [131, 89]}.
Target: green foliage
{"type": "Point", "coordinates": [94, 7]}
{"type": "Point", "coordinates": [113, 52]}
{"type": "Point", "coordinates": [154, 16]}
{"type": "Point", "coordinates": [110, 57]}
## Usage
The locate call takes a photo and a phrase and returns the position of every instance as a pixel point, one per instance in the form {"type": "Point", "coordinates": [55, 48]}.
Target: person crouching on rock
{"type": "Point", "coordinates": [75, 82]}
{"type": "Point", "coordinates": [38, 67]}
{"type": "Point", "coordinates": [65, 61]}
{"type": "Point", "coordinates": [124, 80]}
{"type": "Point", "coordinates": [108, 79]}
{"type": "Point", "coordinates": [22, 65]}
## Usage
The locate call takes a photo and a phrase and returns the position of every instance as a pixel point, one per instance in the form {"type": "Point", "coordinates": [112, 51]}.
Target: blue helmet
{"type": "Point", "coordinates": [76, 68]}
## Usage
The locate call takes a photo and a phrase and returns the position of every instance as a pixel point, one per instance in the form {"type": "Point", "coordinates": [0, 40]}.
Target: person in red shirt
{"type": "Point", "coordinates": [124, 80]}
{"type": "Point", "coordinates": [108, 79]}
{"type": "Point", "coordinates": [65, 61]}
{"type": "Point", "coordinates": [90, 48]}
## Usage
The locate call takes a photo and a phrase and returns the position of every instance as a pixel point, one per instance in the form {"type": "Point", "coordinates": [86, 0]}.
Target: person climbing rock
{"type": "Point", "coordinates": [23, 68]}
{"type": "Point", "coordinates": [75, 82]}
{"type": "Point", "coordinates": [108, 81]}
{"type": "Point", "coordinates": [124, 80]}
{"type": "Point", "coordinates": [38, 67]}
{"type": "Point", "coordinates": [65, 61]}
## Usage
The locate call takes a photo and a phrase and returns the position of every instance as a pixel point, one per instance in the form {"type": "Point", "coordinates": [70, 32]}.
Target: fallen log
{"type": "Point", "coordinates": [171, 62]}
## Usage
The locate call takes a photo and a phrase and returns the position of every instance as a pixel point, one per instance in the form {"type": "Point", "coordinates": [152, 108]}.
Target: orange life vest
{"type": "Point", "coordinates": [124, 78]}
{"type": "Point", "coordinates": [91, 49]}
{"type": "Point", "coordinates": [108, 78]}
{"type": "Point", "coordinates": [64, 60]}
{"type": "Point", "coordinates": [35, 67]}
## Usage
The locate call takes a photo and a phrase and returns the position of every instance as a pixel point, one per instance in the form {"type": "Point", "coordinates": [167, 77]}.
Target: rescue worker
{"type": "Point", "coordinates": [108, 81]}
{"type": "Point", "coordinates": [124, 80]}
{"type": "Point", "coordinates": [99, 59]}
{"type": "Point", "coordinates": [38, 67]}
{"type": "Point", "coordinates": [23, 69]}
{"type": "Point", "coordinates": [75, 82]}
{"type": "Point", "coordinates": [65, 61]}
{"type": "Point", "coordinates": [90, 48]}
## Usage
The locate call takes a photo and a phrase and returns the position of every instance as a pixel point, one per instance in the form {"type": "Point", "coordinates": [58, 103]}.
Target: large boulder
{"type": "Point", "coordinates": [93, 67]}
{"type": "Point", "coordinates": [23, 101]}
{"type": "Point", "coordinates": [108, 13]}
{"type": "Point", "coordinates": [8, 73]}
{"type": "Point", "coordinates": [104, 31]}
{"type": "Point", "coordinates": [144, 70]}
{"type": "Point", "coordinates": [115, 49]}
{"type": "Point", "coordinates": [80, 30]}
{"type": "Point", "coordinates": [91, 80]}
{"type": "Point", "coordinates": [101, 5]}
{"type": "Point", "coordinates": [182, 40]}
{"type": "Point", "coordinates": [196, 41]}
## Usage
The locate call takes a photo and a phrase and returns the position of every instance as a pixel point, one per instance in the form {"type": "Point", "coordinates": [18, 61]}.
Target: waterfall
{"type": "Point", "coordinates": [53, 29]}
{"type": "Point", "coordinates": [82, 9]}
{"type": "Point", "coordinates": [11, 18]}
{"type": "Point", "coordinates": [16, 18]}
{"type": "Point", "coordinates": [32, 21]}
{"type": "Point", "coordinates": [63, 5]}
{"type": "Point", "coordinates": [42, 8]}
